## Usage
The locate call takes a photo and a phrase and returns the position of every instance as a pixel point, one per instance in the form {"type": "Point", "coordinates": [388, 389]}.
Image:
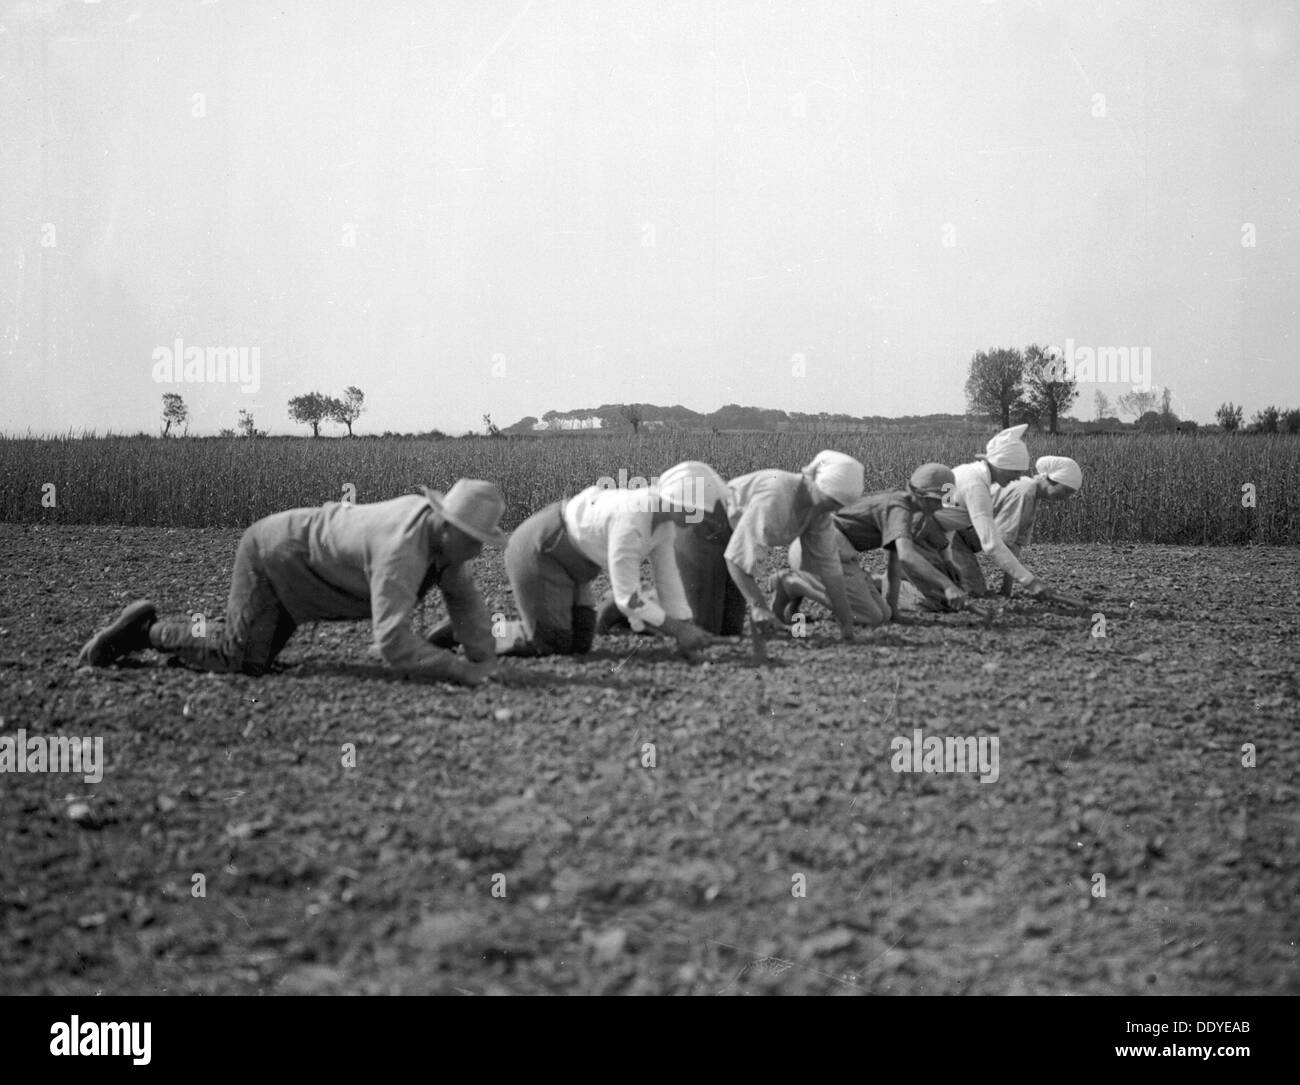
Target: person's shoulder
{"type": "Point", "coordinates": [593, 495]}
{"type": "Point", "coordinates": [1021, 489]}
{"type": "Point", "coordinates": [752, 478]}
{"type": "Point", "coordinates": [869, 504]}
{"type": "Point", "coordinates": [402, 503]}
{"type": "Point", "coordinates": [769, 481]}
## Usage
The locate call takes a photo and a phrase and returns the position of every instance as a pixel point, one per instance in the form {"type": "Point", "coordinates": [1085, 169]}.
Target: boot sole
{"type": "Point", "coordinates": [102, 649]}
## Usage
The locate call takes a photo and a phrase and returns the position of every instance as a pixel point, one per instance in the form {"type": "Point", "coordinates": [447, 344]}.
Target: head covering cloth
{"type": "Point", "coordinates": [1008, 449]}
{"type": "Point", "coordinates": [837, 475]}
{"type": "Point", "coordinates": [1060, 469]}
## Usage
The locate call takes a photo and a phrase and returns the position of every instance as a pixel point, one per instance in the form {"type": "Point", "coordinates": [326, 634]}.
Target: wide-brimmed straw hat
{"type": "Point", "coordinates": [475, 507]}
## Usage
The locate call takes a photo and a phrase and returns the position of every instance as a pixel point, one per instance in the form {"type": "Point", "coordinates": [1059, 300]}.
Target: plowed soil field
{"type": "Point", "coordinates": [628, 822]}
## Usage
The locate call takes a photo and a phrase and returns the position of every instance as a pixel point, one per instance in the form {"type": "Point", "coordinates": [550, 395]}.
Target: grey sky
{"type": "Point", "coordinates": [561, 204]}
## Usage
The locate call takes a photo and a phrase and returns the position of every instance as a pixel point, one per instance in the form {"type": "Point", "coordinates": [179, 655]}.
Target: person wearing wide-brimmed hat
{"type": "Point", "coordinates": [969, 505]}
{"type": "Point", "coordinates": [885, 520]}
{"type": "Point", "coordinates": [557, 552]}
{"type": "Point", "coordinates": [339, 562]}
{"type": "Point", "coordinates": [767, 508]}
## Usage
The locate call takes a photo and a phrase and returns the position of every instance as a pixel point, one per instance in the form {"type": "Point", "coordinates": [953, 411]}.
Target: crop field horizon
{"type": "Point", "coordinates": [1170, 489]}
{"type": "Point", "coordinates": [1136, 834]}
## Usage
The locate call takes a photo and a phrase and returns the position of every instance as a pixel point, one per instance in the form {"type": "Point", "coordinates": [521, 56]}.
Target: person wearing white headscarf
{"type": "Point", "coordinates": [556, 553]}
{"type": "Point", "coordinates": [769, 508]}
{"type": "Point", "coordinates": [970, 505]}
{"type": "Point", "coordinates": [705, 500]}
{"type": "Point", "coordinates": [1015, 505]}
{"type": "Point", "coordinates": [886, 521]}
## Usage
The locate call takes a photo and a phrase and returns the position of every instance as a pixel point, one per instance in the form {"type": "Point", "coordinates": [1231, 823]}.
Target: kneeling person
{"type": "Point", "coordinates": [339, 562]}
{"type": "Point", "coordinates": [1016, 505]}
{"type": "Point", "coordinates": [877, 521]}
{"type": "Point", "coordinates": [556, 553]}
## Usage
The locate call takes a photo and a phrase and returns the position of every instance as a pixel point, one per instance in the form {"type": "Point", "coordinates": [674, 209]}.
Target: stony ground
{"type": "Point", "coordinates": [511, 839]}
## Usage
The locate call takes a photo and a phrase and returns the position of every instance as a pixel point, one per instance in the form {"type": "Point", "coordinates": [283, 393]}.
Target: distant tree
{"type": "Point", "coordinates": [633, 415]}
{"type": "Point", "coordinates": [1101, 401]}
{"type": "Point", "coordinates": [247, 427]}
{"type": "Point", "coordinates": [311, 409]}
{"type": "Point", "coordinates": [490, 427]}
{"type": "Point", "coordinates": [1229, 417]}
{"type": "Point", "coordinates": [174, 411]}
{"type": "Point", "coordinates": [225, 431]}
{"type": "Point", "coordinates": [1048, 392]}
{"type": "Point", "coordinates": [350, 407]}
{"type": "Point", "coordinates": [1024, 410]}
{"type": "Point", "coordinates": [1291, 420]}
{"type": "Point", "coordinates": [995, 383]}
{"type": "Point", "coordinates": [1150, 422]}
{"type": "Point", "coordinates": [1138, 403]}
{"type": "Point", "coordinates": [1110, 424]}
{"type": "Point", "coordinates": [1167, 415]}
{"type": "Point", "coordinates": [1265, 421]}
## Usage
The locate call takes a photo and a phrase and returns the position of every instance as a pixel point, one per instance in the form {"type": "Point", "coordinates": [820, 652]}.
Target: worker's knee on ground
{"type": "Point", "coordinates": [584, 629]}
{"type": "Point", "coordinates": [551, 640]}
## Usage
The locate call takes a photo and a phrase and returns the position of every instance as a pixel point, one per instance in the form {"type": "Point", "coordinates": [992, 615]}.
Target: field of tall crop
{"type": "Point", "coordinates": [1138, 487]}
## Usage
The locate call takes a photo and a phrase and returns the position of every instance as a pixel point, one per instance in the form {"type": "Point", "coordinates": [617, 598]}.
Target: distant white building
{"type": "Point", "coordinates": [590, 422]}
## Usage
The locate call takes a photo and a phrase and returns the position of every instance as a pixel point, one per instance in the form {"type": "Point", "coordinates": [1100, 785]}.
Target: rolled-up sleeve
{"type": "Point", "coordinates": [748, 541]}
{"type": "Point", "coordinates": [627, 545]}
{"type": "Point", "coordinates": [821, 548]}
{"type": "Point", "coordinates": [667, 577]}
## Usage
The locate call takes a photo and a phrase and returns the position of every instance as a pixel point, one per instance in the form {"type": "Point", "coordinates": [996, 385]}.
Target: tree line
{"type": "Point", "coordinates": [1010, 386]}
{"type": "Point", "coordinates": [311, 409]}
{"type": "Point", "coordinates": [1269, 420]}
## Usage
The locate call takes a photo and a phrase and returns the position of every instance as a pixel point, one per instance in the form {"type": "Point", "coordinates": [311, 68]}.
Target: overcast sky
{"type": "Point", "coordinates": [557, 204]}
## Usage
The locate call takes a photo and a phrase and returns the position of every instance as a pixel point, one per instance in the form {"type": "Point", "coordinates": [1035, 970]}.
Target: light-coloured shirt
{"type": "Point", "coordinates": [970, 504]}
{"type": "Point", "coordinates": [377, 561]}
{"type": "Point", "coordinates": [1014, 508]}
{"type": "Point", "coordinates": [616, 530]}
{"type": "Point", "coordinates": [773, 509]}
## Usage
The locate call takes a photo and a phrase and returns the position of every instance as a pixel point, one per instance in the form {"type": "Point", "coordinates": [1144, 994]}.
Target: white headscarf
{"type": "Point", "coordinates": [694, 485]}
{"type": "Point", "coordinates": [1060, 469]}
{"type": "Point", "coordinates": [837, 475]}
{"type": "Point", "coordinates": [1008, 450]}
